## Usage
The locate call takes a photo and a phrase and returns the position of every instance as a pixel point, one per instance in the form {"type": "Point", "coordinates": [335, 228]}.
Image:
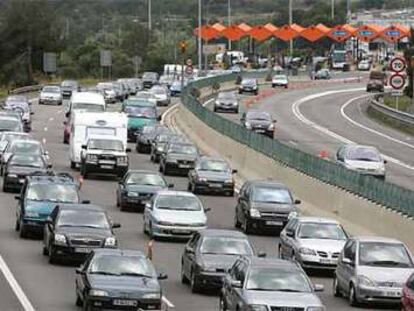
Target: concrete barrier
{"type": "Point", "coordinates": [358, 215]}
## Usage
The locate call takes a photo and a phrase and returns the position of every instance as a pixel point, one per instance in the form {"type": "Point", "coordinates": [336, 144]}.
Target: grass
{"type": "Point", "coordinates": [384, 119]}
{"type": "Point", "coordinates": [404, 103]}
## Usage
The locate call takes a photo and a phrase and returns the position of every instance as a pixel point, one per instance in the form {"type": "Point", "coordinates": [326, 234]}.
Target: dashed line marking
{"type": "Point", "coordinates": [45, 129]}
{"type": "Point", "coordinates": [167, 302]}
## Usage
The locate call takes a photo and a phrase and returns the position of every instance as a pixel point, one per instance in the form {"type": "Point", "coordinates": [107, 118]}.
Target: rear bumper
{"type": "Point", "coordinates": [50, 101]}
{"type": "Point", "coordinates": [13, 183]}
{"type": "Point", "coordinates": [226, 108]}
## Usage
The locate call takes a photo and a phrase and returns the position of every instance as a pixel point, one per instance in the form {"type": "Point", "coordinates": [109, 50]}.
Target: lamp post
{"type": "Point", "coordinates": [229, 18]}
{"type": "Point", "coordinates": [290, 23]}
{"type": "Point", "coordinates": [149, 15]}
{"type": "Point", "coordinates": [199, 37]}
{"type": "Point", "coordinates": [333, 9]}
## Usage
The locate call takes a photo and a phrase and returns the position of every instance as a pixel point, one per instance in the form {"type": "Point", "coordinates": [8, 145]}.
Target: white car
{"type": "Point", "coordinates": [364, 65]}
{"type": "Point", "coordinates": [280, 80]}
{"type": "Point", "coordinates": [176, 214]}
{"type": "Point", "coordinates": [108, 91]}
{"type": "Point", "coordinates": [147, 96]}
{"type": "Point", "coordinates": [50, 94]}
{"type": "Point", "coordinates": [162, 95]}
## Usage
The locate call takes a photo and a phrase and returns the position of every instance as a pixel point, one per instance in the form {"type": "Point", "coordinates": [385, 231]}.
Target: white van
{"type": "Point", "coordinates": [88, 101]}
{"type": "Point", "coordinates": [85, 124]}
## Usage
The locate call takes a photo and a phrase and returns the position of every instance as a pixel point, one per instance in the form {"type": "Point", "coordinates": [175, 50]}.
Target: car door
{"type": "Point", "coordinates": [228, 288]}
{"type": "Point", "coordinates": [344, 270]}
{"type": "Point", "coordinates": [236, 293]}
{"type": "Point", "coordinates": [285, 243]}
{"type": "Point", "coordinates": [189, 254]}
{"type": "Point", "coordinates": [81, 281]}
{"type": "Point", "coordinates": [148, 213]}
{"type": "Point", "coordinates": [121, 187]}
{"type": "Point", "coordinates": [244, 203]}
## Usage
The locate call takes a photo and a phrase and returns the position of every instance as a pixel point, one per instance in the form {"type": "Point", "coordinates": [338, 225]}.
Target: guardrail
{"type": "Point", "coordinates": [404, 118]}
{"type": "Point", "coordinates": [26, 89]}
{"type": "Point", "coordinates": [376, 190]}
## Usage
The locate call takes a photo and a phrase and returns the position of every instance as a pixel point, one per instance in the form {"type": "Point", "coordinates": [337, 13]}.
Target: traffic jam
{"type": "Point", "coordinates": [103, 128]}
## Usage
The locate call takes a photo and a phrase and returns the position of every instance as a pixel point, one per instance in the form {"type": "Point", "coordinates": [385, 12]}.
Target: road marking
{"type": "Point", "coordinates": [51, 119]}
{"type": "Point", "coordinates": [208, 102]}
{"type": "Point", "coordinates": [45, 129]}
{"type": "Point", "coordinates": [166, 112]}
{"type": "Point", "coordinates": [44, 141]}
{"type": "Point", "coordinates": [167, 302]}
{"type": "Point", "coordinates": [24, 301]}
{"type": "Point", "coordinates": [303, 119]}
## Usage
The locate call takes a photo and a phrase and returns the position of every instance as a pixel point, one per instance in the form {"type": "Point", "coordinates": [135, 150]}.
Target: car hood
{"type": "Point", "coordinates": [283, 299]}
{"type": "Point", "coordinates": [214, 176]}
{"type": "Point", "coordinates": [329, 246]}
{"type": "Point", "coordinates": [255, 122]}
{"type": "Point", "coordinates": [227, 101]}
{"type": "Point", "coordinates": [181, 156]}
{"type": "Point", "coordinates": [124, 286]}
{"type": "Point", "coordinates": [381, 274]}
{"type": "Point", "coordinates": [219, 261]}
{"type": "Point", "coordinates": [180, 217]}
{"type": "Point", "coordinates": [280, 80]}
{"type": "Point", "coordinates": [273, 207]}
{"type": "Point", "coordinates": [52, 95]}
{"type": "Point", "coordinates": [364, 164]}
{"type": "Point", "coordinates": [139, 122]}
{"type": "Point", "coordinates": [111, 152]}
{"type": "Point", "coordinates": [42, 207]}
{"type": "Point", "coordinates": [84, 232]}
{"type": "Point", "coordinates": [143, 188]}
{"type": "Point", "coordinates": [161, 96]}
{"type": "Point", "coordinates": [21, 170]}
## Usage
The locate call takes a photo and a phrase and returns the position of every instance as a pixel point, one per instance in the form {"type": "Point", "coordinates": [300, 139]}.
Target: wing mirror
{"type": "Point", "coordinates": [17, 197]}
{"type": "Point", "coordinates": [86, 202]}
{"type": "Point", "coordinates": [84, 147]}
{"type": "Point", "coordinates": [128, 149]}
{"type": "Point", "coordinates": [162, 276]}
{"type": "Point", "coordinates": [298, 202]}
{"type": "Point", "coordinates": [116, 225]}
{"type": "Point", "coordinates": [80, 271]}
{"type": "Point", "coordinates": [236, 283]}
{"type": "Point", "coordinates": [289, 233]}
{"type": "Point", "coordinates": [347, 261]}
{"type": "Point", "coordinates": [385, 161]}
{"type": "Point", "coordinates": [319, 287]}
{"type": "Point", "coordinates": [170, 185]}
{"type": "Point", "coordinates": [234, 171]}
{"type": "Point", "coordinates": [261, 254]}
{"type": "Point", "coordinates": [207, 209]}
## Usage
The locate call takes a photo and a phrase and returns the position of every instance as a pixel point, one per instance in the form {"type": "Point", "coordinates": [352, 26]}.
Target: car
{"type": "Point", "coordinates": [179, 158]}
{"type": "Point", "coordinates": [226, 101]}
{"type": "Point", "coordinates": [149, 79]}
{"type": "Point", "coordinates": [146, 136]}
{"type": "Point", "coordinates": [9, 113]}
{"type": "Point", "coordinates": [119, 91]}
{"type": "Point", "coordinates": [166, 80]}
{"type": "Point", "coordinates": [51, 94]}
{"type": "Point", "coordinates": [140, 115]}
{"type": "Point", "coordinates": [38, 197]}
{"type": "Point", "coordinates": [9, 123]}
{"type": "Point", "coordinates": [174, 214]}
{"type": "Point", "coordinates": [68, 87]}
{"type": "Point", "coordinates": [108, 91]}
{"type": "Point", "coordinates": [264, 205]}
{"type": "Point", "coordinates": [260, 122]}
{"type": "Point", "coordinates": [315, 243]}
{"type": "Point", "coordinates": [7, 137]}
{"type": "Point", "coordinates": [118, 279]}
{"type": "Point", "coordinates": [407, 300]}
{"type": "Point", "coordinates": [161, 94]}
{"type": "Point", "coordinates": [372, 270]}
{"type": "Point", "coordinates": [159, 145]}
{"type": "Point", "coordinates": [375, 85]}
{"type": "Point", "coordinates": [268, 284]}
{"type": "Point", "coordinates": [209, 254]}
{"type": "Point", "coordinates": [24, 146]}
{"type": "Point", "coordinates": [211, 175]}
{"type": "Point", "coordinates": [175, 88]}
{"type": "Point", "coordinates": [24, 113]}
{"type": "Point", "coordinates": [364, 65]}
{"type": "Point", "coordinates": [18, 167]}
{"type": "Point", "coordinates": [365, 160]}
{"type": "Point", "coordinates": [127, 85]}
{"type": "Point", "coordinates": [322, 74]}
{"type": "Point", "coordinates": [104, 154]}
{"type": "Point", "coordinates": [11, 100]}
{"type": "Point", "coordinates": [280, 80]}
{"type": "Point", "coordinates": [137, 188]}
{"type": "Point", "coordinates": [249, 85]}
{"type": "Point", "coordinates": [72, 231]}
{"type": "Point", "coordinates": [146, 96]}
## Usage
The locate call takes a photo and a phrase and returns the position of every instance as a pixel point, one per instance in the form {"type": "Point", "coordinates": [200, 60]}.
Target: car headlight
{"type": "Point", "coordinates": [235, 103]}
{"type": "Point", "coordinates": [160, 148]}
{"type": "Point", "coordinates": [229, 181]}
{"type": "Point", "coordinates": [363, 280]}
{"type": "Point", "coordinates": [122, 160]}
{"type": "Point", "coordinates": [164, 223]}
{"type": "Point", "coordinates": [248, 125]}
{"type": "Point", "coordinates": [60, 239]}
{"type": "Point", "coordinates": [307, 251]}
{"type": "Point", "coordinates": [171, 160]}
{"type": "Point", "coordinates": [12, 175]}
{"type": "Point", "coordinates": [98, 293]}
{"type": "Point", "coordinates": [271, 127]}
{"type": "Point", "coordinates": [31, 214]}
{"type": "Point", "coordinates": [292, 215]}
{"type": "Point", "coordinates": [319, 308]}
{"type": "Point", "coordinates": [201, 179]}
{"type": "Point", "coordinates": [132, 194]}
{"type": "Point", "coordinates": [199, 224]}
{"type": "Point", "coordinates": [111, 241]}
{"type": "Point", "coordinates": [92, 158]}
{"type": "Point", "coordinates": [208, 269]}
{"type": "Point", "coordinates": [254, 213]}
{"type": "Point", "coordinates": [257, 308]}
{"type": "Point", "coordinates": [151, 296]}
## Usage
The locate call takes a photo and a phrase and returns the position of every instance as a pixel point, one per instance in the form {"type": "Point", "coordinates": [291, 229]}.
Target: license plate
{"type": "Point", "coordinates": [21, 180]}
{"type": "Point", "coordinates": [260, 131]}
{"type": "Point", "coordinates": [123, 302]}
{"type": "Point", "coordinates": [181, 232]}
{"type": "Point", "coordinates": [216, 185]}
{"type": "Point", "coordinates": [82, 250]}
{"type": "Point", "coordinates": [107, 162]}
{"type": "Point", "coordinates": [184, 166]}
{"type": "Point", "coordinates": [109, 167]}
{"type": "Point", "coordinates": [274, 223]}
{"type": "Point", "coordinates": [327, 261]}
{"type": "Point", "coordinates": [392, 294]}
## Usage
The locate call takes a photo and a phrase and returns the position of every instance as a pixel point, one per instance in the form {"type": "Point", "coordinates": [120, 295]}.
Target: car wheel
{"type": "Point", "coordinates": [5, 188]}
{"type": "Point", "coordinates": [117, 201]}
{"type": "Point", "coordinates": [236, 111]}
{"type": "Point", "coordinates": [237, 223]}
{"type": "Point", "coordinates": [45, 251]}
{"type": "Point", "coordinates": [52, 255]}
{"type": "Point", "coordinates": [184, 279]}
{"type": "Point", "coordinates": [215, 109]}
{"type": "Point", "coordinates": [152, 158]}
{"type": "Point", "coordinates": [84, 173]}
{"type": "Point", "coordinates": [79, 302]}
{"type": "Point", "coordinates": [122, 207]}
{"type": "Point", "coordinates": [222, 304]}
{"type": "Point", "coordinates": [150, 232]}
{"type": "Point", "coordinates": [336, 290]}
{"type": "Point", "coordinates": [352, 300]}
{"type": "Point", "coordinates": [166, 172]}
{"type": "Point", "coordinates": [87, 306]}
{"type": "Point", "coordinates": [247, 227]}
{"type": "Point", "coordinates": [230, 193]}
{"type": "Point", "coordinates": [195, 287]}
{"type": "Point", "coordinates": [72, 165]}
{"type": "Point", "coordinates": [273, 85]}
{"type": "Point", "coordinates": [17, 225]}
{"type": "Point", "coordinates": [160, 168]}
{"type": "Point", "coordinates": [279, 252]}
{"type": "Point", "coordinates": [23, 231]}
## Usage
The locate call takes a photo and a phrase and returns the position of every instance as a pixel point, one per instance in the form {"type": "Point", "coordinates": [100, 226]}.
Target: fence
{"type": "Point", "coordinates": [379, 191]}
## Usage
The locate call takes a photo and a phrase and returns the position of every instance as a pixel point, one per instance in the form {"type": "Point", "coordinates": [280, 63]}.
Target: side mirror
{"type": "Point", "coordinates": [48, 221]}
{"type": "Point", "coordinates": [86, 202]}
{"type": "Point", "coordinates": [298, 201]}
{"type": "Point", "coordinates": [170, 186]}
{"type": "Point", "coordinates": [261, 254]}
{"type": "Point", "coordinates": [189, 250]}
{"type": "Point", "coordinates": [159, 118]}
{"type": "Point", "coordinates": [318, 287]}
{"type": "Point", "coordinates": [128, 149]}
{"type": "Point", "coordinates": [162, 276]}
{"type": "Point", "coordinates": [148, 205]}
{"type": "Point", "coordinates": [207, 209]}
{"type": "Point", "coordinates": [234, 171]}
{"type": "Point", "coordinates": [347, 261]}
{"type": "Point", "coordinates": [65, 122]}
{"type": "Point", "coordinates": [274, 121]}
{"type": "Point", "coordinates": [79, 271]}
{"type": "Point", "coordinates": [385, 161]}
{"type": "Point", "coordinates": [236, 283]}
{"type": "Point", "coordinates": [17, 197]}
{"type": "Point", "coordinates": [290, 233]}
{"type": "Point", "coordinates": [116, 225]}
{"type": "Point", "coordinates": [46, 153]}
{"type": "Point", "coordinates": [31, 113]}
{"type": "Point", "coordinates": [84, 147]}
{"type": "Point", "coordinates": [49, 165]}
{"type": "Point", "coordinates": [67, 114]}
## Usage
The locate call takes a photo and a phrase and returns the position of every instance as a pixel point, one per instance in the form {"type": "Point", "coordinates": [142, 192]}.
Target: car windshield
{"type": "Point", "coordinates": [148, 129]}
{"type": "Point", "coordinates": [10, 125]}
{"type": "Point", "coordinates": [141, 112]}
{"type": "Point", "coordinates": [15, 136]}
{"type": "Point", "coordinates": [321, 231]}
{"type": "Point", "coordinates": [257, 115]}
{"type": "Point", "coordinates": [88, 107]}
{"type": "Point", "coordinates": [145, 179]}
{"type": "Point", "coordinates": [17, 98]}
{"type": "Point", "coordinates": [83, 218]}
{"type": "Point", "coordinates": [106, 144]}
{"type": "Point", "coordinates": [271, 195]}
{"type": "Point", "coordinates": [26, 160]}
{"type": "Point", "coordinates": [277, 279]}
{"type": "Point", "coordinates": [158, 91]}
{"type": "Point", "coordinates": [149, 76]}
{"type": "Point", "coordinates": [122, 265]}
{"type": "Point", "coordinates": [224, 245]}
{"type": "Point", "coordinates": [25, 147]}
{"type": "Point", "coordinates": [71, 84]}
{"type": "Point", "coordinates": [227, 96]}
{"type": "Point", "coordinates": [363, 154]}
{"type": "Point", "coordinates": [280, 78]}
{"type": "Point", "coordinates": [178, 203]}
{"type": "Point", "coordinates": [104, 86]}
{"type": "Point", "coordinates": [53, 192]}
{"type": "Point", "coordinates": [385, 255]}
{"type": "Point", "coordinates": [182, 149]}
{"type": "Point", "coordinates": [216, 166]}
{"type": "Point", "coordinates": [51, 89]}
{"type": "Point", "coordinates": [249, 82]}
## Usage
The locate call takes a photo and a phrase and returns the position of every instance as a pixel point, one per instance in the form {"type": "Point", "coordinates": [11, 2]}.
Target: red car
{"type": "Point", "coordinates": [407, 298]}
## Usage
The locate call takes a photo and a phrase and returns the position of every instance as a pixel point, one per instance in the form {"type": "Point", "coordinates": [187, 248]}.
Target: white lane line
{"type": "Point", "coordinates": [51, 119]}
{"type": "Point", "coordinates": [24, 301]}
{"type": "Point", "coordinates": [303, 119]}
{"type": "Point", "coordinates": [167, 302]}
{"type": "Point", "coordinates": [45, 129]}
{"type": "Point", "coordinates": [166, 112]}
{"type": "Point", "coordinates": [208, 102]}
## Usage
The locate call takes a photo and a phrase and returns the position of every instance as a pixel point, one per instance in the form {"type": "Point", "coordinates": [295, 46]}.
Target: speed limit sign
{"type": "Point", "coordinates": [397, 81]}
{"type": "Point", "coordinates": [397, 64]}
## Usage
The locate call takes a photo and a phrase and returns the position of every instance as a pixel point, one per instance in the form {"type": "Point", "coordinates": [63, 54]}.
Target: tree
{"type": "Point", "coordinates": [408, 55]}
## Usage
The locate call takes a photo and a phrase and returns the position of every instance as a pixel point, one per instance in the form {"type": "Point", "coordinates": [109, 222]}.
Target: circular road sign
{"type": "Point", "coordinates": [397, 64]}
{"type": "Point", "coordinates": [397, 81]}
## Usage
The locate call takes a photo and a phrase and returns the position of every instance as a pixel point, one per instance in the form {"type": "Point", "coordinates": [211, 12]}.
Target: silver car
{"type": "Point", "coordinates": [161, 94]}
{"type": "Point", "coordinates": [261, 284]}
{"type": "Point", "coordinates": [174, 214]}
{"type": "Point", "coordinates": [363, 159]}
{"type": "Point", "coordinates": [313, 242]}
{"type": "Point", "coordinates": [372, 269]}
{"type": "Point", "coordinates": [50, 94]}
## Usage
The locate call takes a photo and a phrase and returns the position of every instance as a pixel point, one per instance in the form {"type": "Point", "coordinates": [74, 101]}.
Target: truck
{"type": "Point", "coordinates": [377, 81]}
{"type": "Point", "coordinates": [339, 60]}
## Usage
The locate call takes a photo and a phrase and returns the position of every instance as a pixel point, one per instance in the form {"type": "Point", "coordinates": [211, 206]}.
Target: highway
{"type": "Point", "coordinates": [51, 287]}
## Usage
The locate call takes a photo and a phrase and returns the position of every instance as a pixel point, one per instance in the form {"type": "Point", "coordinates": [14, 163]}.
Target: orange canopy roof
{"type": "Point", "coordinates": [207, 32]}
{"type": "Point", "coordinates": [312, 33]}
{"type": "Point", "coordinates": [286, 33]}
{"type": "Point", "coordinates": [244, 27]}
{"type": "Point", "coordinates": [233, 33]}
{"type": "Point", "coordinates": [367, 33]}
{"type": "Point", "coordinates": [270, 27]}
{"type": "Point", "coordinates": [341, 33]}
{"type": "Point", "coordinates": [260, 33]}
{"type": "Point", "coordinates": [219, 27]}
{"type": "Point", "coordinates": [394, 33]}
{"type": "Point", "coordinates": [297, 28]}
{"type": "Point", "coordinates": [323, 28]}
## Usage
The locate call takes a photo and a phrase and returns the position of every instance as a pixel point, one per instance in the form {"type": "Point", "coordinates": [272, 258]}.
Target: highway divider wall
{"type": "Point", "coordinates": [376, 190]}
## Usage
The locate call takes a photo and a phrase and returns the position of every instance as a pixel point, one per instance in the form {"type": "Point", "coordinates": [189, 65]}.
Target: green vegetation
{"type": "Point", "coordinates": [404, 103]}
{"type": "Point", "coordinates": [389, 121]}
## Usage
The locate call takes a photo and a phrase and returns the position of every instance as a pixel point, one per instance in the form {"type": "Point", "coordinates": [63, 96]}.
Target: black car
{"type": "Point", "coordinates": [179, 158]}
{"type": "Point", "coordinates": [18, 167]}
{"type": "Point", "coordinates": [249, 86]}
{"type": "Point", "coordinates": [374, 85]}
{"type": "Point", "coordinates": [260, 122]}
{"type": "Point", "coordinates": [211, 175]}
{"type": "Point", "coordinates": [118, 279]}
{"type": "Point", "coordinates": [137, 188]}
{"type": "Point", "coordinates": [226, 101]}
{"type": "Point", "coordinates": [68, 87]}
{"type": "Point", "coordinates": [73, 230]}
{"type": "Point", "coordinates": [147, 134]}
{"type": "Point", "coordinates": [159, 144]}
{"type": "Point", "coordinates": [209, 254]}
{"type": "Point", "coordinates": [264, 205]}
{"type": "Point", "coordinates": [149, 79]}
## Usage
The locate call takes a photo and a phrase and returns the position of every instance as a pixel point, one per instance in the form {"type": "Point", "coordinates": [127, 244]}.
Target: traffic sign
{"type": "Point", "coordinates": [397, 81]}
{"type": "Point", "coordinates": [397, 93]}
{"type": "Point", "coordinates": [397, 64]}
{"type": "Point", "coordinates": [189, 62]}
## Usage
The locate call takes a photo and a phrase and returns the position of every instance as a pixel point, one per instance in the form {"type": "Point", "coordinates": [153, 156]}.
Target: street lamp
{"type": "Point", "coordinates": [290, 23]}
{"type": "Point", "coordinates": [199, 36]}
{"type": "Point", "coordinates": [229, 18]}
{"type": "Point", "coordinates": [149, 15]}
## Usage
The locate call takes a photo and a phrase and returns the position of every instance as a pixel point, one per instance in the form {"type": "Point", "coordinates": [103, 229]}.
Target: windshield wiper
{"type": "Point", "coordinates": [103, 273]}
{"type": "Point", "coordinates": [365, 159]}
{"type": "Point", "coordinates": [387, 262]}
{"type": "Point", "coordinates": [135, 274]}
{"type": "Point", "coordinates": [275, 290]}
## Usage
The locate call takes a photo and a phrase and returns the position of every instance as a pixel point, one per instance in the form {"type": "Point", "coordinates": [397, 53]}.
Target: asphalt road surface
{"type": "Point", "coordinates": [51, 287]}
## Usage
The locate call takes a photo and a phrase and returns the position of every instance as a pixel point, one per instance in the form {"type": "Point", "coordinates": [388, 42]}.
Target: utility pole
{"type": "Point", "coordinates": [199, 37]}
{"type": "Point", "coordinates": [229, 18]}
{"type": "Point", "coordinates": [333, 9]}
{"type": "Point", "coordinates": [348, 11]}
{"type": "Point", "coordinates": [290, 23]}
{"type": "Point", "coordinates": [149, 15]}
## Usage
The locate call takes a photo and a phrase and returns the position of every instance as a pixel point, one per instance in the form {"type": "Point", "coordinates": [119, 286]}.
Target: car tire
{"type": "Point", "coordinates": [166, 171]}
{"type": "Point", "coordinates": [5, 188]}
{"type": "Point", "coordinates": [247, 228]}
{"type": "Point", "coordinates": [160, 168]}
{"type": "Point", "coordinates": [273, 86]}
{"type": "Point", "coordinates": [222, 304]}
{"type": "Point", "coordinates": [122, 207]}
{"type": "Point", "coordinates": [237, 223]}
{"type": "Point", "coordinates": [152, 158]}
{"type": "Point", "coordinates": [236, 111]}
{"type": "Point", "coordinates": [84, 173]}
{"type": "Point", "coordinates": [45, 251]}
{"type": "Point", "coordinates": [184, 279]}
{"type": "Point", "coordinates": [279, 252]}
{"type": "Point", "coordinates": [87, 307]}
{"type": "Point", "coordinates": [335, 287]}
{"type": "Point", "coordinates": [52, 255]}
{"type": "Point", "coordinates": [79, 302]}
{"type": "Point", "coordinates": [230, 193]}
{"type": "Point", "coordinates": [17, 225]}
{"type": "Point", "coordinates": [72, 165]}
{"type": "Point", "coordinates": [195, 287]}
{"type": "Point", "coordinates": [352, 300]}
{"type": "Point", "coordinates": [144, 227]}
{"type": "Point", "coordinates": [256, 93]}
{"type": "Point", "coordinates": [215, 109]}
{"type": "Point", "coordinates": [23, 231]}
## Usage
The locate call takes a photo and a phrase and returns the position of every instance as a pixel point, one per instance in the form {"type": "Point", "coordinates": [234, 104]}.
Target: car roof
{"type": "Point", "coordinates": [176, 193]}
{"type": "Point", "coordinates": [211, 158]}
{"type": "Point", "coordinates": [257, 262]}
{"type": "Point", "coordinates": [354, 146]}
{"type": "Point", "coordinates": [309, 219]}
{"type": "Point", "coordinates": [143, 172]}
{"type": "Point", "coordinates": [378, 239]}
{"type": "Point", "coordinates": [27, 141]}
{"type": "Point", "coordinates": [51, 179]}
{"type": "Point", "coordinates": [105, 137]}
{"type": "Point", "coordinates": [119, 252]}
{"type": "Point", "coordinates": [222, 233]}
{"type": "Point", "coordinates": [80, 207]}
{"type": "Point", "coordinates": [268, 183]}
{"type": "Point", "coordinates": [92, 96]}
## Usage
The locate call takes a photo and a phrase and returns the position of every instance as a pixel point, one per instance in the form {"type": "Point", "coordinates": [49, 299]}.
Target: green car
{"type": "Point", "coordinates": [140, 113]}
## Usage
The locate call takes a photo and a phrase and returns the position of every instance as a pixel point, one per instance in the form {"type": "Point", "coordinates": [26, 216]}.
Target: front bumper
{"type": "Point", "coordinates": [214, 187]}
{"type": "Point", "coordinates": [317, 262]}
{"type": "Point", "coordinates": [96, 168]}
{"type": "Point", "coordinates": [226, 107]}
{"type": "Point", "coordinates": [50, 101]}
{"type": "Point", "coordinates": [114, 303]}
{"type": "Point", "coordinates": [184, 232]}
{"type": "Point", "coordinates": [369, 294]}
{"type": "Point", "coordinates": [66, 94]}
{"type": "Point", "coordinates": [135, 203]}
{"type": "Point", "coordinates": [178, 167]}
{"type": "Point", "coordinates": [248, 90]}
{"type": "Point", "coordinates": [269, 133]}
{"type": "Point", "coordinates": [268, 224]}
